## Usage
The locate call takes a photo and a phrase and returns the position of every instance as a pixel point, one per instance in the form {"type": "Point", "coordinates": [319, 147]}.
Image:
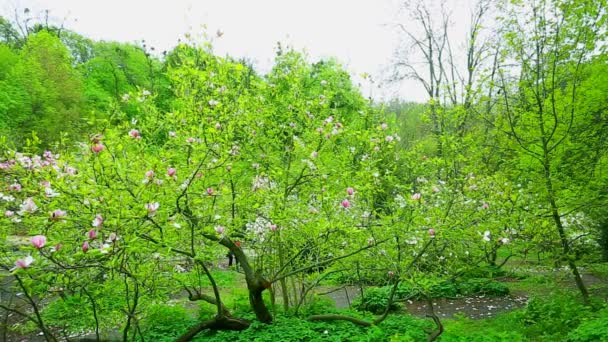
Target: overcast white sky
{"type": "Point", "coordinates": [359, 33]}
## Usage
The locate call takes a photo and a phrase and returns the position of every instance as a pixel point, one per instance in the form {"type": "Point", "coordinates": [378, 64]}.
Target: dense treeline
{"type": "Point", "coordinates": [57, 83]}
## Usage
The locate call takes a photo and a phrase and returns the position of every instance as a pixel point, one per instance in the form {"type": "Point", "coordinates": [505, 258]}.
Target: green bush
{"type": "Point", "coordinates": [482, 286]}
{"type": "Point", "coordinates": [318, 305]}
{"type": "Point", "coordinates": [284, 328]}
{"type": "Point", "coordinates": [165, 322]}
{"type": "Point", "coordinates": [503, 327]}
{"type": "Point", "coordinates": [554, 316]}
{"type": "Point", "coordinates": [485, 335]}
{"type": "Point", "coordinates": [592, 330]}
{"type": "Point", "coordinates": [375, 299]}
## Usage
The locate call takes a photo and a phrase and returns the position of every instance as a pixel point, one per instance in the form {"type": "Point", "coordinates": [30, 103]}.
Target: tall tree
{"type": "Point", "coordinates": [551, 43]}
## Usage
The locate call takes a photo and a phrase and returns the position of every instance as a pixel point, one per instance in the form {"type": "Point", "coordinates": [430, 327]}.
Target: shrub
{"type": "Point", "coordinates": [375, 299]}
{"type": "Point", "coordinates": [555, 315]}
{"type": "Point", "coordinates": [394, 328]}
{"type": "Point", "coordinates": [318, 305]}
{"type": "Point", "coordinates": [165, 322]}
{"type": "Point", "coordinates": [482, 286]}
{"type": "Point", "coordinates": [591, 330]}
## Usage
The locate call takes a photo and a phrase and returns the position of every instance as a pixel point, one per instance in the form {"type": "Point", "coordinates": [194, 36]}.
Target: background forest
{"type": "Point", "coordinates": [128, 175]}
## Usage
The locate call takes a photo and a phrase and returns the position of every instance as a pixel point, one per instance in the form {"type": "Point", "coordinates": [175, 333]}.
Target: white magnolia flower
{"type": "Point", "coordinates": [487, 236]}
{"type": "Point", "coordinates": [28, 206]}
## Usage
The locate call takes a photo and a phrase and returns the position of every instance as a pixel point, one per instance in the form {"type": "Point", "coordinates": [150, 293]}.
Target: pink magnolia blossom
{"type": "Point", "coordinates": [113, 237]}
{"type": "Point", "coordinates": [24, 263]}
{"type": "Point", "coordinates": [389, 138]}
{"type": "Point", "coordinates": [38, 241]}
{"type": "Point", "coordinates": [97, 148]}
{"type": "Point", "coordinates": [85, 246]}
{"type": "Point", "coordinates": [416, 196]}
{"type": "Point", "coordinates": [345, 203]}
{"type": "Point", "coordinates": [273, 227]}
{"type": "Point", "coordinates": [134, 134]}
{"type": "Point", "coordinates": [71, 171]}
{"type": "Point", "coordinates": [56, 248]}
{"type": "Point", "coordinates": [92, 234]}
{"type": "Point", "coordinates": [45, 184]}
{"type": "Point", "coordinates": [152, 207]}
{"type": "Point", "coordinates": [48, 155]}
{"type": "Point", "coordinates": [485, 205]}
{"type": "Point", "coordinates": [220, 229]}
{"type": "Point", "coordinates": [350, 191]}
{"type": "Point", "coordinates": [171, 171]}
{"type": "Point", "coordinates": [98, 221]}
{"type": "Point", "coordinates": [58, 214]}
{"type": "Point", "coordinates": [432, 232]}
{"type": "Point", "coordinates": [150, 174]}
{"type": "Point", "coordinates": [28, 206]}
{"type": "Point", "coordinates": [9, 213]}
{"type": "Point", "coordinates": [15, 187]}
{"type": "Point", "coordinates": [210, 191]}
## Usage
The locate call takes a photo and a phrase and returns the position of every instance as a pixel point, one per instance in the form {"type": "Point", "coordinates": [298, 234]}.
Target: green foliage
{"type": "Point", "coordinates": [482, 286]}
{"type": "Point", "coordinates": [43, 90]}
{"type": "Point", "coordinates": [394, 328]}
{"type": "Point", "coordinates": [554, 316]}
{"type": "Point", "coordinates": [299, 168]}
{"type": "Point", "coordinates": [591, 329]}
{"type": "Point", "coordinates": [165, 323]}
{"type": "Point", "coordinates": [376, 298]}
{"type": "Point", "coordinates": [318, 305]}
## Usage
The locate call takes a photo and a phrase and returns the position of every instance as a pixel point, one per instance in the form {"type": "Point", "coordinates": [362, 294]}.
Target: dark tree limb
{"type": "Point", "coordinates": [216, 323]}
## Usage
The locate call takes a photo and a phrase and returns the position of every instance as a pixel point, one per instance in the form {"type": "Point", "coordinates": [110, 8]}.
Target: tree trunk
{"type": "Point", "coordinates": [217, 323]}
{"type": "Point", "coordinates": [256, 288]}
{"type": "Point", "coordinates": [562, 233]}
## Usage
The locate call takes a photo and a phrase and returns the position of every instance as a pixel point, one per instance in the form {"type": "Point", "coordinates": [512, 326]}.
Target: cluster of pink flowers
{"type": "Point", "coordinates": [8, 164]}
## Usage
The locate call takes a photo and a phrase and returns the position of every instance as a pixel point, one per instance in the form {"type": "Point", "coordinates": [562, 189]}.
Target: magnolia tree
{"type": "Point", "coordinates": [290, 173]}
{"type": "Point", "coordinates": [262, 168]}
